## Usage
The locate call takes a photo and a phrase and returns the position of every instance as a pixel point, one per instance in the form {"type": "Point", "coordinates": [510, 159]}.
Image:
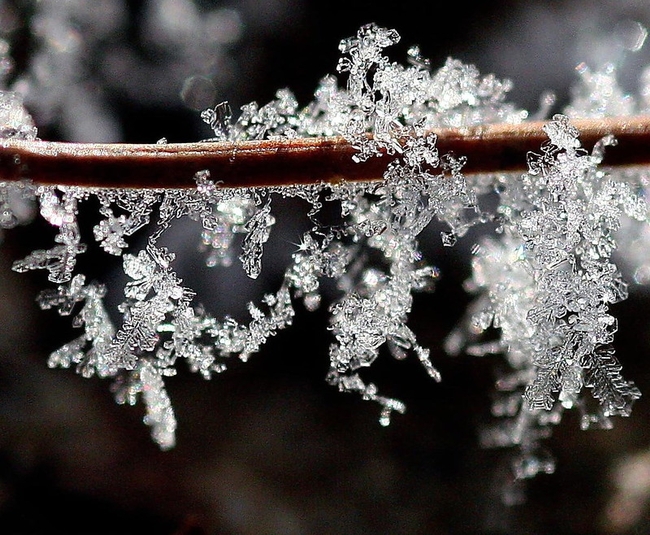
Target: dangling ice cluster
{"type": "Point", "coordinates": [599, 94]}
{"type": "Point", "coordinates": [544, 282]}
{"type": "Point", "coordinates": [162, 320]}
{"type": "Point", "coordinates": [566, 225]}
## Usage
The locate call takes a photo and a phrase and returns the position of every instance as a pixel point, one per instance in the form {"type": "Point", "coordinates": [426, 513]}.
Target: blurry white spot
{"type": "Point", "coordinates": [172, 21]}
{"type": "Point", "coordinates": [632, 490]}
{"type": "Point", "coordinates": [630, 35]}
{"type": "Point", "coordinates": [198, 92]}
{"type": "Point", "coordinates": [223, 26]}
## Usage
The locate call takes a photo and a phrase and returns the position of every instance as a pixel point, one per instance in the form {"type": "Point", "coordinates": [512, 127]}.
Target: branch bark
{"type": "Point", "coordinates": [488, 148]}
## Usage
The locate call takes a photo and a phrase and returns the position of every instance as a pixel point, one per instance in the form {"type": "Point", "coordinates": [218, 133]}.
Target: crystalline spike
{"type": "Point", "coordinates": [160, 415]}
{"type": "Point", "coordinates": [220, 120]}
{"type": "Point", "coordinates": [258, 230]}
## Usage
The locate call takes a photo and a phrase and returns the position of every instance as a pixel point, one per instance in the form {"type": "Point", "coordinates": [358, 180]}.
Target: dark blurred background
{"type": "Point", "coordinates": [267, 447]}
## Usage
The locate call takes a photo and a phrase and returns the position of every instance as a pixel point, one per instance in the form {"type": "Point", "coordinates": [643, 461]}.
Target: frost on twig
{"type": "Point", "coordinates": [162, 320]}
{"type": "Point", "coordinates": [544, 283]}
{"type": "Point", "coordinates": [547, 284]}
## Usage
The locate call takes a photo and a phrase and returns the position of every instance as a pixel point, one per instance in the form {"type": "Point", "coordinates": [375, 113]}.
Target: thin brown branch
{"type": "Point", "coordinates": [488, 148]}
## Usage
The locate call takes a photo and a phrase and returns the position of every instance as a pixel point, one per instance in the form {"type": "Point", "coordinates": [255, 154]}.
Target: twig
{"type": "Point", "coordinates": [488, 148]}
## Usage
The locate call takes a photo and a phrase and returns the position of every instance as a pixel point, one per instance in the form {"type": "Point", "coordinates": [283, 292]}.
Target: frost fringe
{"type": "Point", "coordinates": [543, 283]}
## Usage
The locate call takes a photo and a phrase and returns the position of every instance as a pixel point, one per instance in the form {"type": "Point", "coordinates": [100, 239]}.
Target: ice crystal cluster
{"type": "Point", "coordinates": [544, 281]}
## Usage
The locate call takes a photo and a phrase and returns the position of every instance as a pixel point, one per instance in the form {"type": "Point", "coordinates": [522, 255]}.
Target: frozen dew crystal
{"type": "Point", "coordinates": [219, 119]}
{"type": "Point", "coordinates": [15, 121]}
{"type": "Point", "coordinates": [136, 207]}
{"type": "Point", "coordinates": [547, 285]}
{"type": "Point", "coordinates": [258, 229]}
{"type": "Point", "coordinates": [543, 283]}
{"type": "Point", "coordinates": [60, 210]}
{"type": "Point", "coordinates": [146, 381]}
{"type": "Point", "coordinates": [161, 322]}
{"type": "Point", "coordinates": [16, 199]}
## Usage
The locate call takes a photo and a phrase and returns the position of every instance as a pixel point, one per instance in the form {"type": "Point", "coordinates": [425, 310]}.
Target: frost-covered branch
{"type": "Point", "coordinates": [394, 147]}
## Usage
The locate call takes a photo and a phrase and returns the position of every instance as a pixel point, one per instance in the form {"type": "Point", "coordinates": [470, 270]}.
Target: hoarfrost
{"type": "Point", "coordinates": [16, 198]}
{"type": "Point", "coordinates": [160, 320]}
{"type": "Point", "coordinates": [547, 285]}
{"type": "Point", "coordinates": [146, 380]}
{"type": "Point", "coordinates": [60, 212]}
{"type": "Point", "coordinates": [258, 229]}
{"type": "Point", "coordinates": [544, 282]}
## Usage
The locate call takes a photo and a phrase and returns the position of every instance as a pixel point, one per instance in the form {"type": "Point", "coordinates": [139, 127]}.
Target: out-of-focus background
{"type": "Point", "coordinates": [268, 447]}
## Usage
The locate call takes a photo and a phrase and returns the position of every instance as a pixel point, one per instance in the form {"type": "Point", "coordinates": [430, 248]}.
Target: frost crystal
{"type": "Point", "coordinates": [257, 233]}
{"type": "Point", "coordinates": [161, 321]}
{"type": "Point", "coordinates": [16, 199]}
{"type": "Point", "coordinates": [543, 283]}
{"type": "Point", "coordinates": [547, 285]}
{"type": "Point", "coordinates": [61, 259]}
{"type": "Point", "coordinates": [147, 381]}
{"type": "Point", "coordinates": [15, 121]}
